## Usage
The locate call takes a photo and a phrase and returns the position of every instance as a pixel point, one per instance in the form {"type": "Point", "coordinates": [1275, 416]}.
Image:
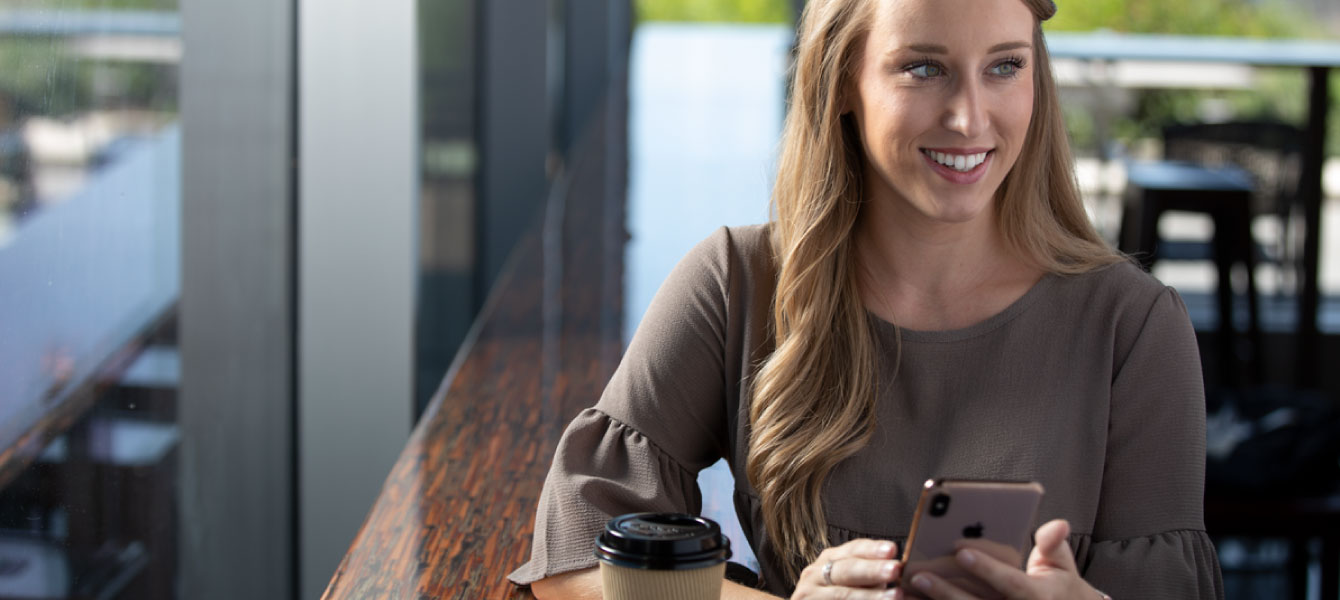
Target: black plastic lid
{"type": "Point", "coordinates": [662, 541]}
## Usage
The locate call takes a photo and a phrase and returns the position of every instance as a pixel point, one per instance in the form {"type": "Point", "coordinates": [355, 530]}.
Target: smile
{"type": "Point", "coordinates": [964, 166]}
{"type": "Point", "coordinates": [958, 162]}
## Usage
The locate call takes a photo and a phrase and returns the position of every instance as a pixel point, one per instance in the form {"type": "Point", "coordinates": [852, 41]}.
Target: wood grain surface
{"type": "Point", "coordinates": [456, 513]}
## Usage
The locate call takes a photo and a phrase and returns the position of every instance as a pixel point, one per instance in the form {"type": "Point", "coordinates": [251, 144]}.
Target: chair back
{"type": "Point", "coordinates": [1272, 152]}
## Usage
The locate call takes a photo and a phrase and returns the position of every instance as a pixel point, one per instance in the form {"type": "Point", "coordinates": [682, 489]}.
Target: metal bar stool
{"type": "Point", "coordinates": [1223, 193]}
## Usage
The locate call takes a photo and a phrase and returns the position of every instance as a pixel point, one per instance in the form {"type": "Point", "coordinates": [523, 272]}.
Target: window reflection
{"type": "Point", "coordinates": [448, 298]}
{"type": "Point", "coordinates": [89, 205]}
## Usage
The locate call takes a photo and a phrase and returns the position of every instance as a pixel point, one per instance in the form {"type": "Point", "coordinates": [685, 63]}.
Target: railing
{"type": "Point", "coordinates": [456, 513]}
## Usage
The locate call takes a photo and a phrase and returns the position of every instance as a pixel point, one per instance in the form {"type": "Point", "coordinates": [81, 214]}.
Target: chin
{"type": "Point", "coordinates": [958, 217]}
{"type": "Point", "coordinates": [964, 210]}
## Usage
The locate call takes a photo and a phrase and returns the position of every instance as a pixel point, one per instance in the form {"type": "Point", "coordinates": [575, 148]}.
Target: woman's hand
{"type": "Point", "coordinates": [856, 570]}
{"type": "Point", "coordinates": [1050, 574]}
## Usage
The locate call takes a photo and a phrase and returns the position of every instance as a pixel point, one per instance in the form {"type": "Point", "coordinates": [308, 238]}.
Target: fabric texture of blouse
{"type": "Point", "coordinates": [1090, 384]}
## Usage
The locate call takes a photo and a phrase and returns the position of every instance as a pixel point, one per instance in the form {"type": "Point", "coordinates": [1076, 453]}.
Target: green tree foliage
{"type": "Point", "coordinates": [40, 74]}
{"type": "Point", "coordinates": [717, 11]}
{"type": "Point", "coordinates": [88, 4]}
{"type": "Point", "coordinates": [39, 77]}
{"type": "Point", "coordinates": [446, 67]}
{"type": "Point", "coordinates": [1279, 94]}
{"type": "Point", "coordinates": [1243, 18]}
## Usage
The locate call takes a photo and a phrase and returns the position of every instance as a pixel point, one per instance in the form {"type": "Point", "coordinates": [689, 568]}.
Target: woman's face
{"type": "Point", "coordinates": [943, 98]}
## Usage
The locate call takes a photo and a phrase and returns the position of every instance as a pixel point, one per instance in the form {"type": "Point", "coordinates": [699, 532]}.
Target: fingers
{"type": "Point", "coordinates": [1051, 556]}
{"type": "Point", "coordinates": [864, 572]}
{"type": "Point", "coordinates": [944, 566]}
{"type": "Point", "coordinates": [1001, 552]}
{"type": "Point", "coordinates": [857, 570]}
{"type": "Point", "coordinates": [1051, 571]}
{"type": "Point", "coordinates": [858, 563]}
{"type": "Point", "coordinates": [929, 585]}
{"type": "Point", "coordinates": [1051, 550]}
{"type": "Point", "coordinates": [862, 548]}
{"type": "Point", "coordinates": [1005, 578]}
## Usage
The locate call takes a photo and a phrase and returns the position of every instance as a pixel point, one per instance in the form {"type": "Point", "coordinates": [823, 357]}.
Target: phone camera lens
{"type": "Point", "coordinates": [939, 505]}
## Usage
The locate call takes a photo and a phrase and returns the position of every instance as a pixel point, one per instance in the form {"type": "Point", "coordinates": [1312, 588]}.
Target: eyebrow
{"type": "Point", "coordinates": [938, 49]}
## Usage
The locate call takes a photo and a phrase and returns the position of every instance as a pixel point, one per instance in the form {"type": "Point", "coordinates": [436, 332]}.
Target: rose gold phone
{"type": "Point", "coordinates": [993, 516]}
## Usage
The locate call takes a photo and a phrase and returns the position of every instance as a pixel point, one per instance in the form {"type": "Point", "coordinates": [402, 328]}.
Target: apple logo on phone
{"type": "Point", "coordinates": [973, 531]}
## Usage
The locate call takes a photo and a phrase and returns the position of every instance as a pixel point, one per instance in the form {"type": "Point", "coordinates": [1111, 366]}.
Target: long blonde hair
{"type": "Point", "coordinates": [813, 398]}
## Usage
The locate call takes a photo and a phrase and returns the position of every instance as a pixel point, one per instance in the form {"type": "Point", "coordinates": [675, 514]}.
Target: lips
{"type": "Point", "coordinates": [959, 165]}
{"type": "Point", "coordinates": [958, 162]}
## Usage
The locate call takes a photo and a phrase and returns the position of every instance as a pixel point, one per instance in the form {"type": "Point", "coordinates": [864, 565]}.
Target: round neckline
{"type": "Point", "coordinates": [980, 328]}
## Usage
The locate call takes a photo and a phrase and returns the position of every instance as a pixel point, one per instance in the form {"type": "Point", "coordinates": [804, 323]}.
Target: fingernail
{"type": "Point", "coordinates": [889, 595]}
{"type": "Point", "coordinates": [887, 570]}
{"type": "Point", "coordinates": [922, 582]}
{"type": "Point", "coordinates": [886, 548]}
{"type": "Point", "coordinates": [967, 557]}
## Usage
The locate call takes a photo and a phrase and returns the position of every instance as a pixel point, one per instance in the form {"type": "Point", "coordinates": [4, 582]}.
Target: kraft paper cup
{"type": "Point", "coordinates": [662, 556]}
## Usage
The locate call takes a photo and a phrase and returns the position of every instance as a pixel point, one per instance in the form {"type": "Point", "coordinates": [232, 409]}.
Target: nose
{"type": "Point", "coordinates": [965, 111]}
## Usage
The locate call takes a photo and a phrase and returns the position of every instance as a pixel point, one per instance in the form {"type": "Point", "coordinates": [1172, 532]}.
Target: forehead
{"type": "Point", "coordinates": [958, 24]}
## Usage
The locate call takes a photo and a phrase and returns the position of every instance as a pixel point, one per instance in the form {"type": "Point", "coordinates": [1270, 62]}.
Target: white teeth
{"type": "Point", "coordinates": [958, 162]}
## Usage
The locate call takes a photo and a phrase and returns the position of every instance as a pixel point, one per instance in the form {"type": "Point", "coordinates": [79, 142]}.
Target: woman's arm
{"type": "Point", "coordinates": [860, 568]}
{"type": "Point", "coordinates": [661, 419]}
{"type": "Point", "coordinates": [585, 585]}
{"type": "Point", "coordinates": [1148, 538]}
{"type": "Point", "coordinates": [574, 585]}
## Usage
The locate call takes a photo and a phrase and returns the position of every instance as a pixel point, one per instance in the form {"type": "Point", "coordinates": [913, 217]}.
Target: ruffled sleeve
{"type": "Point", "coordinates": [602, 468]}
{"type": "Point", "coordinates": [1149, 537]}
{"type": "Point", "coordinates": [1173, 564]}
{"type": "Point", "coordinates": [661, 419]}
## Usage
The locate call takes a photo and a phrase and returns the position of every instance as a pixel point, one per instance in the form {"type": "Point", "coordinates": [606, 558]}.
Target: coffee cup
{"type": "Point", "coordinates": [662, 556]}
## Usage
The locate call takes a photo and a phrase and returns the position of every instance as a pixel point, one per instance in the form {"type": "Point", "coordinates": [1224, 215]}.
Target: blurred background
{"type": "Point", "coordinates": [241, 243]}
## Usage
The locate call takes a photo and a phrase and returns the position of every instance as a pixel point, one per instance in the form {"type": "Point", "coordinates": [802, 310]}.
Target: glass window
{"type": "Point", "coordinates": [448, 297]}
{"type": "Point", "coordinates": [89, 255]}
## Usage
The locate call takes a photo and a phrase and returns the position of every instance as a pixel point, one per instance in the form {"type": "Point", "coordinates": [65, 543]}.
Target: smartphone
{"type": "Point", "coordinates": [996, 517]}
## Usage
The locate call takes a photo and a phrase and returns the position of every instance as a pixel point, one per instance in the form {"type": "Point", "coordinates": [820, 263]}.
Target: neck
{"type": "Point", "coordinates": [932, 275]}
{"type": "Point", "coordinates": [905, 251]}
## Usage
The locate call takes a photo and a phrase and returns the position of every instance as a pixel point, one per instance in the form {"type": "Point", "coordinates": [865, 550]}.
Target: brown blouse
{"type": "Point", "coordinates": [1089, 384]}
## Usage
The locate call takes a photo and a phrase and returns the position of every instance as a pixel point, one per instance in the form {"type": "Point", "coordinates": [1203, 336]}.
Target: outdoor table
{"type": "Point", "coordinates": [1318, 57]}
{"type": "Point", "coordinates": [86, 280]}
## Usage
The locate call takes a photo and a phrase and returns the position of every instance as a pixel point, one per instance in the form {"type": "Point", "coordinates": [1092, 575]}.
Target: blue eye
{"type": "Point", "coordinates": [925, 70]}
{"type": "Point", "coordinates": [1009, 68]}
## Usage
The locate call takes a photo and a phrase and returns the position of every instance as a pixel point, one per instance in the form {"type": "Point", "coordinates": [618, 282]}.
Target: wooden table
{"type": "Point", "coordinates": [1318, 57]}
{"type": "Point", "coordinates": [456, 513]}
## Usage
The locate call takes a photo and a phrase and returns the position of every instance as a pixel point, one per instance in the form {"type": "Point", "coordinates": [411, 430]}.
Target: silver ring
{"type": "Point", "coordinates": [828, 573]}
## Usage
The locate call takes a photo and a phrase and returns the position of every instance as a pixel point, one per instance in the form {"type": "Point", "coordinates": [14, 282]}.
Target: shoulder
{"type": "Point", "coordinates": [741, 253]}
{"type": "Point", "coordinates": [1125, 278]}
{"type": "Point", "coordinates": [1120, 290]}
{"type": "Point", "coordinates": [1128, 304]}
{"type": "Point", "coordinates": [740, 240]}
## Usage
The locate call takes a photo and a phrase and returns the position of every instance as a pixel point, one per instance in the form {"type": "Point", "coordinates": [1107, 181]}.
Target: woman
{"type": "Point", "coordinates": [929, 301]}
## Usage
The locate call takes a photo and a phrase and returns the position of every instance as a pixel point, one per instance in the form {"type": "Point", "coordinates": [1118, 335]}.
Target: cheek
{"type": "Point", "coordinates": [894, 123]}
{"type": "Point", "coordinates": [1020, 112]}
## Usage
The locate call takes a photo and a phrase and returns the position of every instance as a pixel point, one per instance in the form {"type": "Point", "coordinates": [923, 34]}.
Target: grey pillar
{"type": "Point", "coordinates": [358, 200]}
{"type": "Point", "coordinates": [236, 318]}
